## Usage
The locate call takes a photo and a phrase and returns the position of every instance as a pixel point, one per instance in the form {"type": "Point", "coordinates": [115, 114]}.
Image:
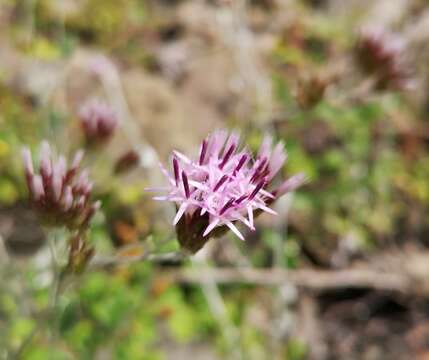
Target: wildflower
{"type": "Point", "coordinates": [222, 186]}
{"type": "Point", "coordinates": [98, 121]}
{"type": "Point", "coordinates": [59, 194]}
{"type": "Point", "coordinates": [382, 54]}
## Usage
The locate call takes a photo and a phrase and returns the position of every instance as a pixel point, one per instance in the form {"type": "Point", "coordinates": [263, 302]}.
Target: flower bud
{"type": "Point", "coordinates": [383, 55]}
{"type": "Point", "coordinates": [59, 195]}
{"type": "Point", "coordinates": [98, 121]}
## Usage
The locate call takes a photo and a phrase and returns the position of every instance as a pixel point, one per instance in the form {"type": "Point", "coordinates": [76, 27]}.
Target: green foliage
{"type": "Point", "coordinates": [94, 20]}
{"type": "Point", "coordinates": [296, 350]}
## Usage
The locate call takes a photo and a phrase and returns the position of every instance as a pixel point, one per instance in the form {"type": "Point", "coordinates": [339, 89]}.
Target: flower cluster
{"type": "Point", "coordinates": [223, 186]}
{"type": "Point", "coordinates": [98, 121]}
{"type": "Point", "coordinates": [59, 194]}
{"type": "Point", "coordinates": [383, 54]}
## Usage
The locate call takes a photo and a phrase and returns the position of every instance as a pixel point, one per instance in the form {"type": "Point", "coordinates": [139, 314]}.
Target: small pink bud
{"type": "Point", "coordinates": [28, 162]}
{"type": "Point", "coordinates": [37, 187]}
{"type": "Point", "coordinates": [81, 202]}
{"type": "Point", "coordinates": [67, 199]}
{"type": "Point", "coordinates": [77, 159]}
{"type": "Point", "coordinates": [62, 166]}
{"type": "Point", "coordinates": [91, 211]}
{"type": "Point", "coordinates": [45, 161]}
{"type": "Point", "coordinates": [57, 183]}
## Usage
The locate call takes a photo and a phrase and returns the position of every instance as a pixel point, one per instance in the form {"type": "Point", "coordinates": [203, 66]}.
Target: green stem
{"type": "Point", "coordinates": [58, 276]}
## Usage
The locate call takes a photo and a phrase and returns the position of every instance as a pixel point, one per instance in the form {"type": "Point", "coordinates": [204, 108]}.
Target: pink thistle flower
{"type": "Point", "coordinates": [222, 186]}
{"type": "Point", "coordinates": [98, 121]}
{"type": "Point", "coordinates": [59, 196]}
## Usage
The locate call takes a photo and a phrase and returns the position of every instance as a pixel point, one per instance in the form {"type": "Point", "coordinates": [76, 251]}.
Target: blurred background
{"type": "Point", "coordinates": [341, 273]}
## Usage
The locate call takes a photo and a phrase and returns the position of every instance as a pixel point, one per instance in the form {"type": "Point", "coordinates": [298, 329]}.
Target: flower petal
{"type": "Point", "coordinates": [211, 226]}
{"type": "Point", "coordinates": [180, 213]}
{"type": "Point", "coordinates": [235, 230]}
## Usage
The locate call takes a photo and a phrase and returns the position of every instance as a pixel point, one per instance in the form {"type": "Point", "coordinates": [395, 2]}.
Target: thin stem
{"type": "Point", "coordinates": [103, 262]}
{"type": "Point", "coordinates": [217, 306]}
{"type": "Point", "coordinates": [106, 262]}
{"type": "Point", "coordinates": [27, 341]}
{"type": "Point", "coordinates": [55, 272]}
{"type": "Point", "coordinates": [56, 285]}
{"type": "Point", "coordinates": [55, 290]}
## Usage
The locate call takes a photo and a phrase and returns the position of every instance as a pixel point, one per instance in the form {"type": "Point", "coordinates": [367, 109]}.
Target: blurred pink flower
{"type": "Point", "coordinates": [98, 121]}
{"type": "Point", "coordinates": [59, 194]}
{"type": "Point", "coordinates": [102, 66]}
{"type": "Point", "coordinates": [383, 54]}
{"type": "Point", "coordinates": [223, 186]}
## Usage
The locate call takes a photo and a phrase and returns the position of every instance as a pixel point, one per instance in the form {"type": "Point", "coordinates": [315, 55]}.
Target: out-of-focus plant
{"type": "Point", "coordinates": [98, 121]}
{"type": "Point", "coordinates": [383, 55]}
{"type": "Point", "coordinates": [126, 162]}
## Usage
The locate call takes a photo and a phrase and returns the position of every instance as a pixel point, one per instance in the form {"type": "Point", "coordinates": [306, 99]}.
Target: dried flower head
{"type": "Point", "coordinates": [383, 54]}
{"type": "Point", "coordinates": [98, 121]}
{"type": "Point", "coordinates": [59, 194]}
{"type": "Point", "coordinates": [223, 186]}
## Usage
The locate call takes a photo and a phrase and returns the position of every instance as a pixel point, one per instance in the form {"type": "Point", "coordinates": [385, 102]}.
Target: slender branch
{"type": "Point", "coordinates": [100, 263]}
{"type": "Point", "coordinates": [317, 280]}
{"type": "Point", "coordinates": [26, 342]}
{"type": "Point", "coordinates": [404, 280]}
{"type": "Point", "coordinates": [218, 309]}
{"type": "Point", "coordinates": [57, 277]}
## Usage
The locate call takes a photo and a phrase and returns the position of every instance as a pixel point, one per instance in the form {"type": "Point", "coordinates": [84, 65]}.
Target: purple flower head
{"type": "Point", "coordinates": [98, 121]}
{"type": "Point", "coordinates": [383, 54]}
{"type": "Point", "coordinates": [59, 193]}
{"type": "Point", "coordinates": [223, 185]}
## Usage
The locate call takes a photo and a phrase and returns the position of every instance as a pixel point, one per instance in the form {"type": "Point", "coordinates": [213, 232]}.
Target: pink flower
{"type": "Point", "coordinates": [59, 194]}
{"type": "Point", "coordinates": [98, 121]}
{"type": "Point", "coordinates": [222, 186]}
